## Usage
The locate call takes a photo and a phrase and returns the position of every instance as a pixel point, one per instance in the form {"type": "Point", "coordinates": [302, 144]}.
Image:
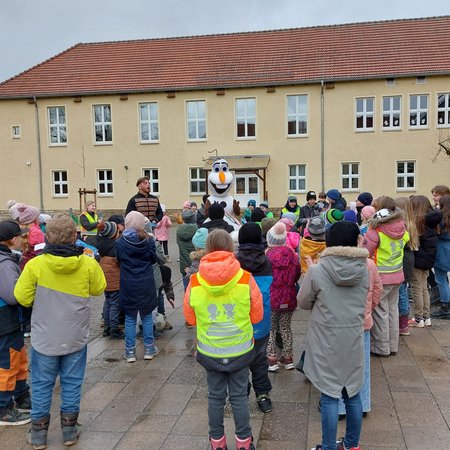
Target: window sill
{"type": "Point", "coordinates": [148, 142]}
{"type": "Point", "coordinates": [190, 141]}
{"type": "Point", "coordinates": [406, 189]}
{"type": "Point", "coordinates": [391, 129]}
{"type": "Point", "coordinates": [418, 128]}
{"type": "Point", "coordinates": [60, 196]}
{"type": "Point", "coordinates": [297, 136]}
{"type": "Point", "coordinates": [105, 195]}
{"type": "Point", "coordinates": [364, 130]}
{"type": "Point", "coordinates": [251, 138]}
{"type": "Point", "coordinates": [58, 145]}
{"type": "Point", "coordinates": [101, 144]}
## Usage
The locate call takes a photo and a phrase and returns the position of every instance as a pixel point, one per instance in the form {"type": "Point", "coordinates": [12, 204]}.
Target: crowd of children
{"type": "Point", "coordinates": [354, 265]}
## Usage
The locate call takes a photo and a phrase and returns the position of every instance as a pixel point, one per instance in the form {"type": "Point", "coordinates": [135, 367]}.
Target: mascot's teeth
{"type": "Point", "coordinates": [222, 186]}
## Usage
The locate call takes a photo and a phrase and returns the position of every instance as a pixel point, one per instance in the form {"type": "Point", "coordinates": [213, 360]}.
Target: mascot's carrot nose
{"type": "Point", "coordinates": [222, 177]}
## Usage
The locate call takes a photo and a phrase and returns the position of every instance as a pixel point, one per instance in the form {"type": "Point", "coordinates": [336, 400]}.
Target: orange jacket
{"type": "Point", "coordinates": [217, 269]}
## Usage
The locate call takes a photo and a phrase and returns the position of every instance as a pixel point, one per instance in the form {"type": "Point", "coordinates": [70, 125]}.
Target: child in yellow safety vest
{"type": "Point", "coordinates": [223, 301]}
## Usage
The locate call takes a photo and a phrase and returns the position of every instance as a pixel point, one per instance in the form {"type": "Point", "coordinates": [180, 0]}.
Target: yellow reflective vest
{"type": "Point", "coordinates": [224, 329]}
{"type": "Point", "coordinates": [91, 219]}
{"type": "Point", "coordinates": [389, 255]}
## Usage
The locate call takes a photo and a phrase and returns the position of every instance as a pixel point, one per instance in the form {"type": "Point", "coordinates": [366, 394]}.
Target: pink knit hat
{"type": "Point", "coordinates": [136, 220]}
{"type": "Point", "coordinates": [26, 213]}
{"type": "Point", "coordinates": [367, 212]}
{"type": "Point", "coordinates": [187, 204]}
{"type": "Point", "coordinates": [289, 223]}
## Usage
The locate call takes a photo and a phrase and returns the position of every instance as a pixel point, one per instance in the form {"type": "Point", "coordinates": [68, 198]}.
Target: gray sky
{"type": "Point", "coordinates": [34, 30]}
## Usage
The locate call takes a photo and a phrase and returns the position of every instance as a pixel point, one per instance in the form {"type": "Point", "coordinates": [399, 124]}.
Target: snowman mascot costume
{"type": "Point", "coordinates": [219, 184]}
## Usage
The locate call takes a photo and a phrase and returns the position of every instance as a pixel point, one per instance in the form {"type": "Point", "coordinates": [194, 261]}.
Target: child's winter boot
{"type": "Point", "coordinates": [218, 444]}
{"type": "Point", "coordinates": [69, 427]}
{"type": "Point", "coordinates": [37, 434]}
{"type": "Point", "coordinates": [245, 444]}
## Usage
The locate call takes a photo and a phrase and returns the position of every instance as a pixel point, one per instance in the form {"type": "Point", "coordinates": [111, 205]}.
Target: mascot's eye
{"type": "Point", "coordinates": [224, 169]}
{"type": "Point", "coordinates": [216, 169]}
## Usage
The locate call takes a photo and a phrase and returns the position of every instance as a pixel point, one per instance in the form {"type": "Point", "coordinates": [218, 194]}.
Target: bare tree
{"type": "Point", "coordinates": [443, 145]}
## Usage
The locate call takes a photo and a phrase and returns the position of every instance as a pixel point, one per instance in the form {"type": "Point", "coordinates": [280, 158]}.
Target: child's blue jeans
{"type": "Point", "coordinates": [329, 416]}
{"type": "Point", "coordinates": [111, 309]}
{"type": "Point", "coordinates": [45, 369]}
{"type": "Point", "coordinates": [130, 330]}
{"type": "Point", "coordinates": [403, 300]}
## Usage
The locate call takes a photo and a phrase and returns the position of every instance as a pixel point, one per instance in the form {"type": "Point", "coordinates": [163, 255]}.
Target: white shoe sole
{"type": "Point", "coordinates": [274, 368]}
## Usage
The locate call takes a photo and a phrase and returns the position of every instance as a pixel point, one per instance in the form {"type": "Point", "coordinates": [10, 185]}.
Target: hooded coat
{"type": "Point", "coordinates": [185, 233]}
{"type": "Point", "coordinates": [136, 257]}
{"type": "Point", "coordinates": [336, 290]}
{"type": "Point", "coordinates": [392, 226]}
{"type": "Point", "coordinates": [286, 272]}
{"type": "Point", "coordinates": [425, 256]}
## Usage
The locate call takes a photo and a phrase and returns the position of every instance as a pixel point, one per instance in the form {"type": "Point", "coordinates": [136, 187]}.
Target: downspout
{"type": "Point", "coordinates": [322, 137]}
{"type": "Point", "coordinates": [39, 154]}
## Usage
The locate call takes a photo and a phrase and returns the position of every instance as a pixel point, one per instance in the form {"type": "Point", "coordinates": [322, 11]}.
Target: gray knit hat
{"type": "Point", "coordinates": [276, 236]}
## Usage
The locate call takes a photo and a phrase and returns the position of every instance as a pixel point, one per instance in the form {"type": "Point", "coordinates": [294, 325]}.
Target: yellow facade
{"type": "Point", "coordinates": [376, 152]}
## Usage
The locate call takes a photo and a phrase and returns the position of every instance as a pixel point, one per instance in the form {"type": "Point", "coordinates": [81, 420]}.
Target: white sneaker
{"type": "Point", "coordinates": [418, 323]}
{"type": "Point", "coordinates": [427, 321]}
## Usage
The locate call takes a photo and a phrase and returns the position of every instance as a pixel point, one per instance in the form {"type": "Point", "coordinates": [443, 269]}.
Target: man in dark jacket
{"type": "Point", "coordinates": [310, 209]}
{"type": "Point", "coordinates": [144, 202]}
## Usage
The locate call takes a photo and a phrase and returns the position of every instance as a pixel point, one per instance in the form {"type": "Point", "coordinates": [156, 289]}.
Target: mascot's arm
{"type": "Point", "coordinates": [207, 205]}
{"type": "Point", "coordinates": [236, 208]}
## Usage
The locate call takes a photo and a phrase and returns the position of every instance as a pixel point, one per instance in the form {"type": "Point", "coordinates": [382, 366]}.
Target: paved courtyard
{"type": "Point", "coordinates": [162, 404]}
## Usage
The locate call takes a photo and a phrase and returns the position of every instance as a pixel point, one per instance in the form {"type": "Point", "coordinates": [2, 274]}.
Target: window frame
{"type": "Point", "coordinates": [418, 111]}
{"type": "Point", "coordinates": [197, 180]}
{"type": "Point", "coordinates": [297, 178]}
{"type": "Point", "coordinates": [245, 118]}
{"type": "Point", "coordinates": [391, 112]}
{"type": "Point", "coordinates": [15, 135]}
{"type": "Point", "coordinates": [445, 110]}
{"type": "Point", "coordinates": [103, 124]}
{"type": "Point", "coordinates": [58, 126]}
{"type": "Point", "coordinates": [196, 120]}
{"type": "Point", "coordinates": [365, 114]}
{"type": "Point", "coordinates": [105, 194]}
{"type": "Point", "coordinates": [350, 176]}
{"type": "Point", "coordinates": [297, 114]}
{"type": "Point", "coordinates": [149, 122]}
{"type": "Point", "coordinates": [148, 172]}
{"type": "Point", "coordinates": [405, 175]}
{"type": "Point", "coordinates": [60, 183]}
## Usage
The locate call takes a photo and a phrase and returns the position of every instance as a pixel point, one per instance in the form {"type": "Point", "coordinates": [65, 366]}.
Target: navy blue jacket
{"type": "Point", "coordinates": [137, 283]}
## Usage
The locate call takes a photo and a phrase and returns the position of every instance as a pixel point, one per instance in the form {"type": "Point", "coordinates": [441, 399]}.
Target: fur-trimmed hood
{"type": "Point", "coordinates": [197, 255]}
{"type": "Point", "coordinates": [345, 265]}
{"type": "Point", "coordinates": [392, 226]}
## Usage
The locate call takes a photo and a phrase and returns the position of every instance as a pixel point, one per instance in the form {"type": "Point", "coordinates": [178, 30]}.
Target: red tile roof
{"type": "Point", "coordinates": [410, 47]}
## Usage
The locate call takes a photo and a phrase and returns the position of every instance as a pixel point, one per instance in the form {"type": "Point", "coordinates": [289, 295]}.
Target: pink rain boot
{"type": "Point", "coordinates": [245, 444]}
{"type": "Point", "coordinates": [218, 444]}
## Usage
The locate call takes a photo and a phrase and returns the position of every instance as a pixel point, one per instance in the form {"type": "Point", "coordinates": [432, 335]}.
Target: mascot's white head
{"type": "Point", "coordinates": [220, 178]}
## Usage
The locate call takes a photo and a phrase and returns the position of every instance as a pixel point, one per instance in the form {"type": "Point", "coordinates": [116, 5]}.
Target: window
{"type": "Point", "coordinates": [245, 117]}
{"type": "Point", "coordinates": [196, 120]}
{"type": "Point", "coordinates": [57, 125]}
{"type": "Point", "coordinates": [15, 131]}
{"type": "Point", "coordinates": [406, 175]}
{"type": "Point", "coordinates": [297, 178]}
{"type": "Point", "coordinates": [102, 124]}
{"type": "Point", "coordinates": [391, 113]}
{"type": "Point", "coordinates": [153, 176]}
{"type": "Point", "coordinates": [297, 115]}
{"type": "Point", "coordinates": [443, 110]}
{"type": "Point", "coordinates": [350, 176]}
{"type": "Point", "coordinates": [149, 128]}
{"type": "Point", "coordinates": [364, 114]}
{"type": "Point", "coordinates": [198, 181]}
{"type": "Point", "coordinates": [105, 182]}
{"type": "Point", "coordinates": [418, 111]}
{"type": "Point", "coordinates": [60, 184]}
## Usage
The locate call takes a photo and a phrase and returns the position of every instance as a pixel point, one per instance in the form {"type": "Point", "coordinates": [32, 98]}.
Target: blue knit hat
{"type": "Point", "coordinates": [199, 238]}
{"type": "Point", "coordinates": [251, 202]}
{"type": "Point", "coordinates": [333, 194]}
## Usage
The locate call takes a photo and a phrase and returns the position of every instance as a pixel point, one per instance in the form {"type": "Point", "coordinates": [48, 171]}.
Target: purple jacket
{"type": "Point", "coordinates": [286, 272]}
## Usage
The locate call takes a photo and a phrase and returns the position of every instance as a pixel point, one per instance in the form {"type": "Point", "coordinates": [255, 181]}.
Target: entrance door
{"type": "Point", "coordinates": [246, 187]}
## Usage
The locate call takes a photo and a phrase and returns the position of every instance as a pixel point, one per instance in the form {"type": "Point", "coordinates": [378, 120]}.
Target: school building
{"type": "Point", "coordinates": [357, 107]}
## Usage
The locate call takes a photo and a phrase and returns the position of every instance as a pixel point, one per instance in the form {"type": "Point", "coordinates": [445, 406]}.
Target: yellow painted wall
{"type": "Point", "coordinates": [377, 151]}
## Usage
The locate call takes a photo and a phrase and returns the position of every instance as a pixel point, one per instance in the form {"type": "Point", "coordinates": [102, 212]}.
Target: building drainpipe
{"type": "Point", "coordinates": [38, 137]}
{"type": "Point", "coordinates": [322, 136]}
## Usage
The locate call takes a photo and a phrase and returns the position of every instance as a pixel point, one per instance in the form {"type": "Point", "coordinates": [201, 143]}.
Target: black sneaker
{"type": "Point", "coordinates": [106, 332]}
{"type": "Point", "coordinates": [264, 403]}
{"type": "Point", "coordinates": [116, 333]}
{"type": "Point", "coordinates": [14, 417]}
{"type": "Point", "coordinates": [24, 405]}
